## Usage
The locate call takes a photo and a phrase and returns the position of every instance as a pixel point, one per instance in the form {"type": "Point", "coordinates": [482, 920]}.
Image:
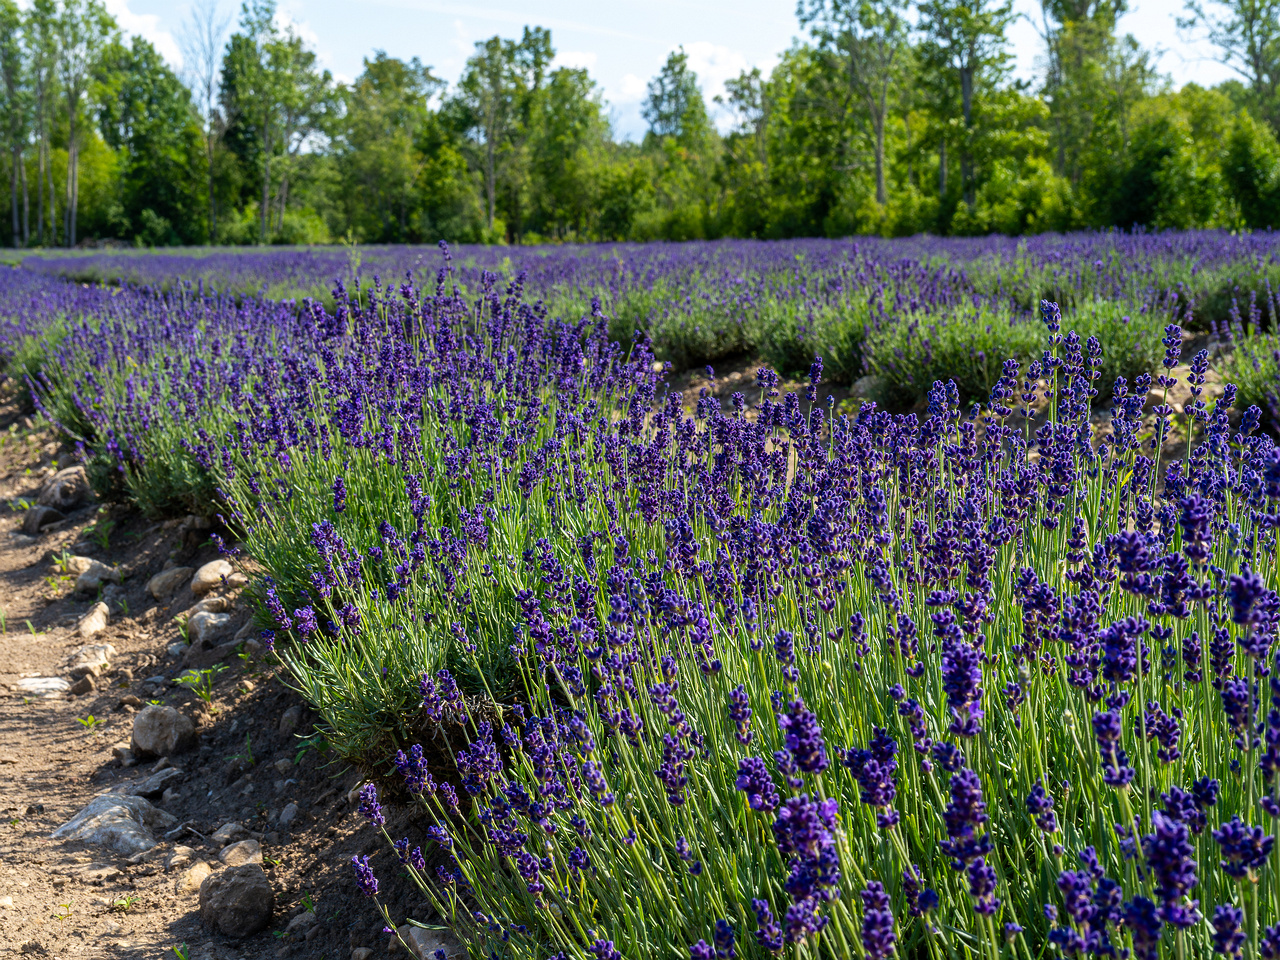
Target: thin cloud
{"type": "Point", "coordinates": [147, 26]}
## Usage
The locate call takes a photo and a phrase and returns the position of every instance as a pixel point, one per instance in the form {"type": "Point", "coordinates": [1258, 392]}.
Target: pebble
{"type": "Point", "coordinates": [191, 879]}
{"type": "Point", "coordinates": [246, 851]}
{"type": "Point", "coordinates": [361, 953]}
{"type": "Point", "coordinates": [209, 576]}
{"type": "Point", "coordinates": [289, 720]}
{"type": "Point", "coordinates": [95, 575]}
{"type": "Point", "coordinates": [237, 901]}
{"type": "Point", "coordinates": [288, 815]}
{"type": "Point", "coordinates": [82, 686]}
{"type": "Point", "coordinates": [37, 517]}
{"type": "Point", "coordinates": [204, 627]}
{"type": "Point", "coordinates": [180, 856]}
{"type": "Point", "coordinates": [43, 686]}
{"type": "Point", "coordinates": [123, 824]}
{"type": "Point", "coordinates": [167, 582]}
{"type": "Point", "coordinates": [65, 490]}
{"type": "Point", "coordinates": [92, 658]}
{"type": "Point", "coordinates": [95, 621]}
{"type": "Point", "coordinates": [161, 731]}
{"type": "Point", "coordinates": [229, 833]}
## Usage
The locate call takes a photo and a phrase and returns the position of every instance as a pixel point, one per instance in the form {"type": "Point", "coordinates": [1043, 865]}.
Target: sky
{"type": "Point", "coordinates": [622, 43]}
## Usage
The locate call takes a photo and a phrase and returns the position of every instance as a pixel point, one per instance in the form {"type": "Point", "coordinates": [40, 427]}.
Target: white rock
{"type": "Point", "coordinates": [123, 824]}
{"type": "Point", "coordinates": [288, 815]}
{"type": "Point", "coordinates": [160, 731]}
{"type": "Point", "coordinates": [95, 621]}
{"type": "Point", "coordinates": [246, 851]}
{"type": "Point", "coordinates": [176, 649]}
{"type": "Point", "coordinates": [43, 686]}
{"type": "Point", "coordinates": [423, 943]}
{"type": "Point", "coordinates": [167, 582]}
{"type": "Point", "coordinates": [209, 577]}
{"type": "Point", "coordinates": [95, 575]}
{"type": "Point", "coordinates": [205, 627]}
{"type": "Point", "coordinates": [92, 658]}
{"type": "Point", "coordinates": [210, 605]}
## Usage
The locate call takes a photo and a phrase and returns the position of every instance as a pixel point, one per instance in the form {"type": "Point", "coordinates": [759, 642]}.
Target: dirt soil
{"type": "Point", "coordinates": [256, 753]}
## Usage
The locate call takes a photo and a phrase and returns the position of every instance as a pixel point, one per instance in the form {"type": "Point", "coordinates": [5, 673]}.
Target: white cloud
{"type": "Point", "coordinates": [632, 89]}
{"type": "Point", "coordinates": [714, 64]}
{"type": "Point", "coordinates": [147, 26]}
{"type": "Point", "coordinates": [575, 59]}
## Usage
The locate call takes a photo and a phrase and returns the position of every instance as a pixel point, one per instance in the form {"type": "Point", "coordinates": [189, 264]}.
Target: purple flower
{"type": "Point", "coordinates": [1245, 848]}
{"type": "Point", "coordinates": [1228, 938]}
{"type": "Point", "coordinates": [701, 951]}
{"type": "Point", "coordinates": [877, 922]}
{"type": "Point", "coordinates": [756, 782]}
{"type": "Point", "coordinates": [367, 882]}
{"type": "Point", "coordinates": [1040, 806]}
{"type": "Point", "coordinates": [1145, 926]}
{"type": "Point", "coordinates": [339, 495]}
{"type": "Point", "coordinates": [740, 713]}
{"type": "Point", "coordinates": [370, 809]}
{"type": "Point", "coordinates": [803, 737]}
{"type": "Point", "coordinates": [724, 938]}
{"type": "Point", "coordinates": [768, 933]}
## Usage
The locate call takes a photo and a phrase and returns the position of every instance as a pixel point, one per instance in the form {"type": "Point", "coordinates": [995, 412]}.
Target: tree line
{"type": "Point", "coordinates": [890, 116]}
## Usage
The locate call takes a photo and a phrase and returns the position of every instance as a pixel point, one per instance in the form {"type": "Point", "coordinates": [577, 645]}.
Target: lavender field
{"type": "Point", "coordinates": [952, 634]}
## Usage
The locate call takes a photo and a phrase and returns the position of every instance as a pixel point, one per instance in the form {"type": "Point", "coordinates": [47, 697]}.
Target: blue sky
{"type": "Point", "coordinates": [621, 42]}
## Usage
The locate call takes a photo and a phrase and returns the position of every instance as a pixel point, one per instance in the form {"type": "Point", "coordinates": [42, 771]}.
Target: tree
{"type": "Point", "coordinates": [202, 46]}
{"type": "Point", "coordinates": [146, 115]}
{"type": "Point", "coordinates": [15, 108]}
{"type": "Point", "coordinates": [1247, 35]}
{"type": "Point", "coordinates": [485, 104]}
{"type": "Point", "coordinates": [39, 34]}
{"type": "Point", "coordinates": [83, 29]}
{"type": "Point", "coordinates": [674, 106]}
{"type": "Point", "coordinates": [864, 41]}
{"type": "Point", "coordinates": [965, 44]}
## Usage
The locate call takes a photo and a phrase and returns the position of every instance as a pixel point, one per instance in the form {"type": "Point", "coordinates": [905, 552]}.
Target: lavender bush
{"type": "Point", "coordinates": [982, 680]}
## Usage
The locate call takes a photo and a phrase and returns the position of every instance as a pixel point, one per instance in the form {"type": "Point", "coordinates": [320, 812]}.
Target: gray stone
{"type": "Point", "coordinates": [160, 731]}
{"type": "Point", "coordinates": [177, 649]}
{"type": "Point", "coordinates": [149, 787]}
{"type": "Point", "coordinates": [237, 901]}
{"type": "Point", "coordinates": [229, 833]}
{"type": "Point", "coordinates": [301, 923]}
{"type": "Point", "coordinates": [205, 627]}
{"type": "Point", "coordinates": [191, 879]}
{"type": "Point", "coordinates": [95, 575]}
{"type": "Point", "coordinates": [43, 686]}
{"type": "Point", "coordinates": [211, 605]}
{"type": "Point", "coordinates": [123, 824]}
{"type": "Point", "coordinates": [246, 851]}
{"type": "Point", "coordinates": [180, 856]}
{"type": "Point", "coordinates": [82, 686]}
{"type": "Point", "coordinates": [422, 944]}
{"type": "Point", "coordinates": [65, 490]}
{"type": "Point", "coordinates": [867, 386]}
{"type": "Point", "coordinates": [95, 621]}
{"type": "Point", "coordinates": [167, 582]}
{"type": "Point", "coordinates": [92, 659]}
{"type": "Point", "coordinates": [289, 720]}
{"type": "Point", "coordinates": [289, 815]}
{"type": "Point", "coordinates": [209, 577]}
{"type": "Point", "coordinates": [361, 953]}
{"type": "Point", "coordinates": [37, 517]}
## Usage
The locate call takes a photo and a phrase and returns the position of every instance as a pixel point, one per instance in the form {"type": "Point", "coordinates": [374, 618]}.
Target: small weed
{"type": "Point", "coordinates": [15, 822]}
{"type": "Point", "coordinates": [182, 952]}
{"type": "Point", "coordinates": [247, 755]}
{"type": "Point", "coordinates": [4, 621]}
{"type": "Point", "coordinates": [62, 562]}
{"type": "Point", "coordinates": [200, 682]}
{"type": "Point", "coordinates": [124, 607]}
{"type": "Point", "coordinates": [182, 629]}
{"type": "Point", "coordinates": [270, 862]}
{"type": "Point", "coordinates": [32, 627]}
{"type": "Point", "coordinates": [156, 703]}
{"type": "Point", "coordinates": [19, 504]}
{"type": "Point", "coordinates": [316, 743]}
{"type": "Point", "coordinates": [63, 914]}
{"type": "Point", "coordinates": [101, 532]}
{"type": "Point", "coordinates": [124, 904]}
{"type": "Point", "coordinates": [90, 721]}
{"type": "Point", "coordinates": [308, 902]}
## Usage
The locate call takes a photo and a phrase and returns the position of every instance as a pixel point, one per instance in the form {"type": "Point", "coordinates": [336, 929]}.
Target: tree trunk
{"type": "Point", "coordinates": [40, 189]}
{"type": "Point", "coordinates": [489, 185]}
{"type": "Point", "coordinates": [942, 169]}
{"type": "Point", "coordinates": [26, 205]}
{"type": "Point", "coordinates": [966, 159]}
{"type": "Point", "coordinates": [266, 187]}
{"type": "Point", "coordinates": [13, 196]}
{"type": "Point", "coordinates": [213, 213]}
{"type": "Point", "coordinates": [877, 121]}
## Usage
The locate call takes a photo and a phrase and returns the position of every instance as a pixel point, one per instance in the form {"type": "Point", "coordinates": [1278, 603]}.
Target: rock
{"type": "Point", "coordinates": [177, 649]}
{"type": "Point", "coordinates": [210, 605]}
{"type": "Point", "coordinates": [289, 720]}
{"type": "Point", "coordinates": [301, 923]}
{"type": "Point", "coordinates": [422, 944]}
{"type": "Point", "coordinates": [65, 490]}
{"type": "Point", "coordinates": [246, 851]}
{"type": "Point", "coordinates": [229, 833]}
{"type": "Point", "coordinates": [167, 582]}
{"type": "Point", "coordinates": [160, 731]}
{"type": "Point", "coordinates": [245, 632]}
{"type": "Point", "coordinates": [180, 856]}
{"type": "Point", "coordinates": [92, 658]}
{"type": "Point", "coordinates": [95, 575]}
{"type": "Point", "coordinates": [149, 787]}
{"type": "Point", "coordinates": [43, 686]}
{"type": "Point", "coordinates": [123, 824]}
{"type": "Point", "coordinates": [192, 879]}
{"type": "Point", "coordinates": [205, 627]}
{"type": "Point", "coordinates": [361, 953]}
{"type": "Point", "coordinates": [6, 903]}
{"type": "Point", "coordinates": [37, 517]}
{"type": "Point", "coordinates": [209, 577]}
{"type": "Point", "coordinates": [82, 686]}
{"type": "Point", "coordinates": [283, 766]}
{"type": "Point", "coordinates": [97, 873]}
{"type": "Point", "coordinates": [121, 752]}
{"type": "Point", "coordinates": [288, 815]}
{"type": "Point", "coordinates": [95, 621]}
{"type": "Point", "coordinates": [254, 647]}
{"type": "Point", "coordinates": [867, 386]}
{"type": "Point", "coordinates": [237, 901]}
{"type": "Point", "coordinates": [170, 795]}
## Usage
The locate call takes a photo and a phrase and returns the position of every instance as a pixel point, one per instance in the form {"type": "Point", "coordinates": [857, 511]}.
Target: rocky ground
{"type": "Point", "coordinates": [140, 817]}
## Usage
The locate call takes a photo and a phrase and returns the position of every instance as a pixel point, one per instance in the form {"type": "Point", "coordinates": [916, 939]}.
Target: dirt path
{"type": "Point", "coordinates": [254, 762]}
